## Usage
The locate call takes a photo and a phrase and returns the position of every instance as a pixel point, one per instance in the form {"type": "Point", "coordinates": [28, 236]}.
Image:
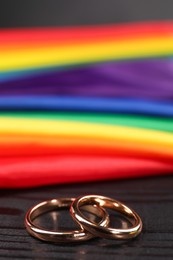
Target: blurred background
{"type": "Point", "coordinates": [58, 13]}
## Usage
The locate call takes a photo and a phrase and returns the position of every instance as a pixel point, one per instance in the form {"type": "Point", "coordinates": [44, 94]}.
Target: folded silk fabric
{"type": "Point", "coordinates": [29, 172]}
{"type": "Point", "coordinates": [146, 122]}
{"type": "Point", "coordinates": [83, 138]}
{"type": "Point", "coordinates": [68, 103]}
{"type": "Point", "coordinates": [40, 127]}
{"type": "Point", "coordinates": [46, 70]}
{"type": "Point", "coordinates": [21, 143]}
{"type": "Point", "coordinates": [110, 43]}
{"type": "Point", "coordinates": [86, 53]}
{"type": "Point", "coordinates": [34, 145]}
{"type": "Point", "coordinates": [69, 35]}
{"type": "Point", "coordinates": [150, 79]}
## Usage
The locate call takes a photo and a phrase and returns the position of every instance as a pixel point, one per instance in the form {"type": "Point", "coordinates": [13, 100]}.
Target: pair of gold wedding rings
{"type": "Point", "coordinates": [88, 229]}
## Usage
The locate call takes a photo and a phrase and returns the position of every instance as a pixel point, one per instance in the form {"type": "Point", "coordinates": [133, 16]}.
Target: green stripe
{"type": "Point", "coordinates": [162, 124]}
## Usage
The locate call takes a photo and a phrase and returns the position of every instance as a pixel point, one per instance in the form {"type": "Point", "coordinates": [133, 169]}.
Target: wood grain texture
{"type": "Point", "coordinates": [152, 198]}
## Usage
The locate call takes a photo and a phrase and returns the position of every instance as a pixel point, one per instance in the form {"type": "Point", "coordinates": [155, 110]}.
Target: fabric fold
{"type": "Point", "coordinates": [56, 170]}
{"type": "Point", "coordinates": [145, 79]}
{"type": "Point", "coordinates": [85, 104]}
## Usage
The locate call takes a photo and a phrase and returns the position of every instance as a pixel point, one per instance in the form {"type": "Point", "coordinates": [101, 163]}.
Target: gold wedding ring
{"type": "Point", "coordinates": [101, 231]}
{"type": "Point", "coordinates": [61, 236]}
{"type": "Point", "coordinates": [94, 204]}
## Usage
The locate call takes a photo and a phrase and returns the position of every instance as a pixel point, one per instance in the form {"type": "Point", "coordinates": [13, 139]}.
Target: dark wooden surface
{"type": "Point", "coordinates": [152, 198]}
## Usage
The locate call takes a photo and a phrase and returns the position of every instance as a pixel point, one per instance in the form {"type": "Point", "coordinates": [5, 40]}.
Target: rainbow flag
{"type": "Point", "coordinates": [85, 103]}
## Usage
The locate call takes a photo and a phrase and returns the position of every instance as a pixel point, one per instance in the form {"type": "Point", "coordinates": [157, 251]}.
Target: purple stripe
{"type": "Point", "coordinates": [138, 79]}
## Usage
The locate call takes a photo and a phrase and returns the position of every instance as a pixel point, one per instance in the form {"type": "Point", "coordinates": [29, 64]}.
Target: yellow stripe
{"type": "Point", "coordinates": [84, 130]}
{"type": "Point", "coordinates": [42, 57]}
